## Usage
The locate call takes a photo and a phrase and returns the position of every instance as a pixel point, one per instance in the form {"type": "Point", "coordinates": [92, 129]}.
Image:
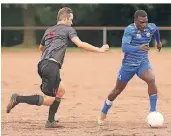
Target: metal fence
{"type": "Point", "coordinates": [104, 29]}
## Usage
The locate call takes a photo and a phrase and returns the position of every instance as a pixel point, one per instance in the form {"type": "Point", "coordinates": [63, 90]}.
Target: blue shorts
{"type": "Point", "coordinates": [127, 72]}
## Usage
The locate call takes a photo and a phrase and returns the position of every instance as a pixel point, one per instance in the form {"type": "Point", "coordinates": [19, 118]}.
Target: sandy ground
{"type": "Point", "coordinates": [88, 78]}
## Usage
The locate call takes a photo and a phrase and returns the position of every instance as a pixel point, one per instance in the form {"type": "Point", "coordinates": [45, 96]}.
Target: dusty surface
{"type": "Point", "coordinates": [88, 78]}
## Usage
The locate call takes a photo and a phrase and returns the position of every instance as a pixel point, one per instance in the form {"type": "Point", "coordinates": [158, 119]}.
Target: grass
{"type": "Point", "coordinates": [20, 48]}
{"type": "Point", "coordinates": [26, 49]}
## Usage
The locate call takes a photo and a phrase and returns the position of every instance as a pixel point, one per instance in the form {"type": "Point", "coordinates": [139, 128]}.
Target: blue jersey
{"type": "Point", "coordinates": [132, 39]}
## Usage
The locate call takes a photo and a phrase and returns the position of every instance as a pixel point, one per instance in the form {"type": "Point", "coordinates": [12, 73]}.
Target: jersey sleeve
{"type": "Point", "coordinates": [155, 31]}
{"type": "Point", "coordinates": [126, 42]}
{"type": "Point", "coordinates": [152, 27]}
{"type": "Point", "coordinates": [127, 36]}
{"type": "Point", "coordinates": [72, 33]}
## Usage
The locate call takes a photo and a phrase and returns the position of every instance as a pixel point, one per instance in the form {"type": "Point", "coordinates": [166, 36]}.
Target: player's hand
{"type": "Point", "coordinates": [104, 48]}
{"type": "Point", "coordinates": [144, 47]}
{"type": "Point", "coordinates": [159, 46]}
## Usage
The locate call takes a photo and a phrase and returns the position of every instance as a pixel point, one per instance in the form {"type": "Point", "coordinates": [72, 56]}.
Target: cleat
{"type": "Point", "coordinates": [53, 124]}
{"type": "Point", "coordinates": [57, 120]}
{"type": "Point", "coordinates": [12, 102]}
{"type": "Point", "coordinates": [101, 118]}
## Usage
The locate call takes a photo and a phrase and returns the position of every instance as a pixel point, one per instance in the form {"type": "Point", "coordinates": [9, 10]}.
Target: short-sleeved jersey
{"type": "Point", "coordinates": [55, 40]}
{"type": "Point", "coordinates": [135, 37]}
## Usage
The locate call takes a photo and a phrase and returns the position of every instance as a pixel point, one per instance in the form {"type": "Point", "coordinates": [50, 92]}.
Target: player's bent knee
{"type": "Point", "coordinates": [61, 90]}
{"type": "Point", "coordinates": [60, 93]}
{"type": "Point", "coordinates": [150, 80]}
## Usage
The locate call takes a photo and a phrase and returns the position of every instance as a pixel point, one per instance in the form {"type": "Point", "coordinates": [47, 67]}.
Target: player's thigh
{"type": "Point", "coordinates": [50, 78]}
{"type": "Point", "coordinates": [126, 74]}
{"type": "Point", "coordinates": [145, 73]}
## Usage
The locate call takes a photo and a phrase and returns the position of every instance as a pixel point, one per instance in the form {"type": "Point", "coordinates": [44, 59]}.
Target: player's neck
{"type": "Point", "coordinates": [61, 22]}
{"type": "Point", "coordinates": [138, 28]}
{"type": "Point", "coordinates": [135, 26]}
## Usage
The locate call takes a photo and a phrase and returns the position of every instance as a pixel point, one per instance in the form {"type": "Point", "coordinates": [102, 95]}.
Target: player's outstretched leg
{"type": "Point", "coordinates": [149, 78]}
{"type": "Point", "coordinates": [38, 100]}
{"type": "Point", "coordinates": [108, 102]}
{"type": "Point", "coordinates": [16, 99]}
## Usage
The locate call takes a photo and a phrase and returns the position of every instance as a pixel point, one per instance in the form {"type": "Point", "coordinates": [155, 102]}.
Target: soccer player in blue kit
{"type": "Point", "coordinates": [135, 45]}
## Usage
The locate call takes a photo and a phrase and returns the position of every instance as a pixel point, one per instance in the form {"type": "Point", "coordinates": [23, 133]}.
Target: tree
{"type": "Point", "coordinates": [84, 15]}
{"type": "Point", "coordinates": [29, 20]}
{"type": "Point", "coordinates": [19, 15]}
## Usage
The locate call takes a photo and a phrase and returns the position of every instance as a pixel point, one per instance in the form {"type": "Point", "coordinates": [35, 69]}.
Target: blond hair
{"type": "Point", "coordinates": [64, 13]}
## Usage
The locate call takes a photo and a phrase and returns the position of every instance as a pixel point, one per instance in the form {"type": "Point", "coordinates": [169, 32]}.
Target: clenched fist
{"type": "Point", "coordinates": [159, 46]}
{"type": "Point", "coordinates": [104, 48]}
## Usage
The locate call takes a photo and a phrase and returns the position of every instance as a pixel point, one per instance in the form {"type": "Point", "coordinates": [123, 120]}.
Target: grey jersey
{"type": "Point", "coordinates": [55, 40]}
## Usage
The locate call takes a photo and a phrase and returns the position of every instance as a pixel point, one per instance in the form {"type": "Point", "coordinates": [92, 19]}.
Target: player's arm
{"type": "Point", "coordinates": [126, 43]}
{"type": "Point", "coordinates": [83, 45]}
{"type": "Point", "coordinates": [89, 47]}
{"type": "Point", "coordinates": [42, 44]}
{"type": "Point", "coordinates": [157, 37]}
{"type": "Point", "coordinates": [41, 47]}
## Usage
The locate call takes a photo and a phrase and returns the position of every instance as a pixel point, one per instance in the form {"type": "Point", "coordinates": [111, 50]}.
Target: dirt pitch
{"type": "Point", "coordinates": [88, 78]}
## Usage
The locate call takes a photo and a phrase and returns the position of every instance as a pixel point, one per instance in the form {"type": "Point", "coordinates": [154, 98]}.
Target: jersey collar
{"type": "Point", "coordinates": [139, 30]}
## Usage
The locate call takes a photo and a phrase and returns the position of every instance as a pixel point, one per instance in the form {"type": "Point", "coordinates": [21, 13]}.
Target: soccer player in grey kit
{"type": "Point", "coordinates": [53, 46]}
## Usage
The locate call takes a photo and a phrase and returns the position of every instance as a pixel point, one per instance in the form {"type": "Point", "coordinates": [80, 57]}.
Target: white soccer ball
{"type": "Point", "coordinates": [155, 119]}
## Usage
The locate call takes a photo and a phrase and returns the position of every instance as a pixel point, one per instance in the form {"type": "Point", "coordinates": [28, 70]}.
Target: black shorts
{"type": "Point", "coordinates": [50, 75]}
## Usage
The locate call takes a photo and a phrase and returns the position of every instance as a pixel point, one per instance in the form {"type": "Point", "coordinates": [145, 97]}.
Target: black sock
{"type": "Point", "coordinates": [32, 100]}
{"type": "Point", "coordinates": [53, 109]}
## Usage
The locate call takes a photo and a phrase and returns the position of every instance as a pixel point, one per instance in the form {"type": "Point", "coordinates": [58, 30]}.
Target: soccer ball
{"type": "Point", "coordinates": [155, 119]}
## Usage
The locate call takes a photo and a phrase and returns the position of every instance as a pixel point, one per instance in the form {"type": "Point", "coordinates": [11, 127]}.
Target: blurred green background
{"type": "Point", "coordinates": [84, 15]}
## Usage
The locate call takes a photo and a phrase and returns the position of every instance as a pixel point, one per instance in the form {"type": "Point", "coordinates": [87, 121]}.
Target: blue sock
{"type": "Point", "coordinates": [107, 106]}
{"type": "Point", "coordinates": [153, 102]}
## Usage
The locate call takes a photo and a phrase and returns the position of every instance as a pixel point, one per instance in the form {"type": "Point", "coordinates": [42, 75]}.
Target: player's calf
{"type": "Point", "coordinates": [152, 91]}
{"type": "Point", "coordinates": [108, 102]}
{"type": "Point", "coordinates": [32, 100]}
{"type": "Point", "coordinates": [149, 78]}
{"type": "Point", "coordinates": [152, 88]}
{"type": "Point", "coordinates": [114, 93]}
{"type": "Point", "coordinates": [111, 97]}
{"type": "Point", "coordinates": [107, 105]}
{"type": "Point", "coordinates": [53, 109]}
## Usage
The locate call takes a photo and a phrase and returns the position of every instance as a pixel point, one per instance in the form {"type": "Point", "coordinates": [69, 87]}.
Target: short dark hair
{"type": "Point", "coordinates": [64, 13]}
{"type": "Point", "coordinates": [140, 13]}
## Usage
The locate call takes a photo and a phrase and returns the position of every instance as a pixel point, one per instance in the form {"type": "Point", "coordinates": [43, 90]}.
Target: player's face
{"type": "Point", "coordinates": [141, 22]}
{"type": "Point", "coordinates": [69, 20]}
